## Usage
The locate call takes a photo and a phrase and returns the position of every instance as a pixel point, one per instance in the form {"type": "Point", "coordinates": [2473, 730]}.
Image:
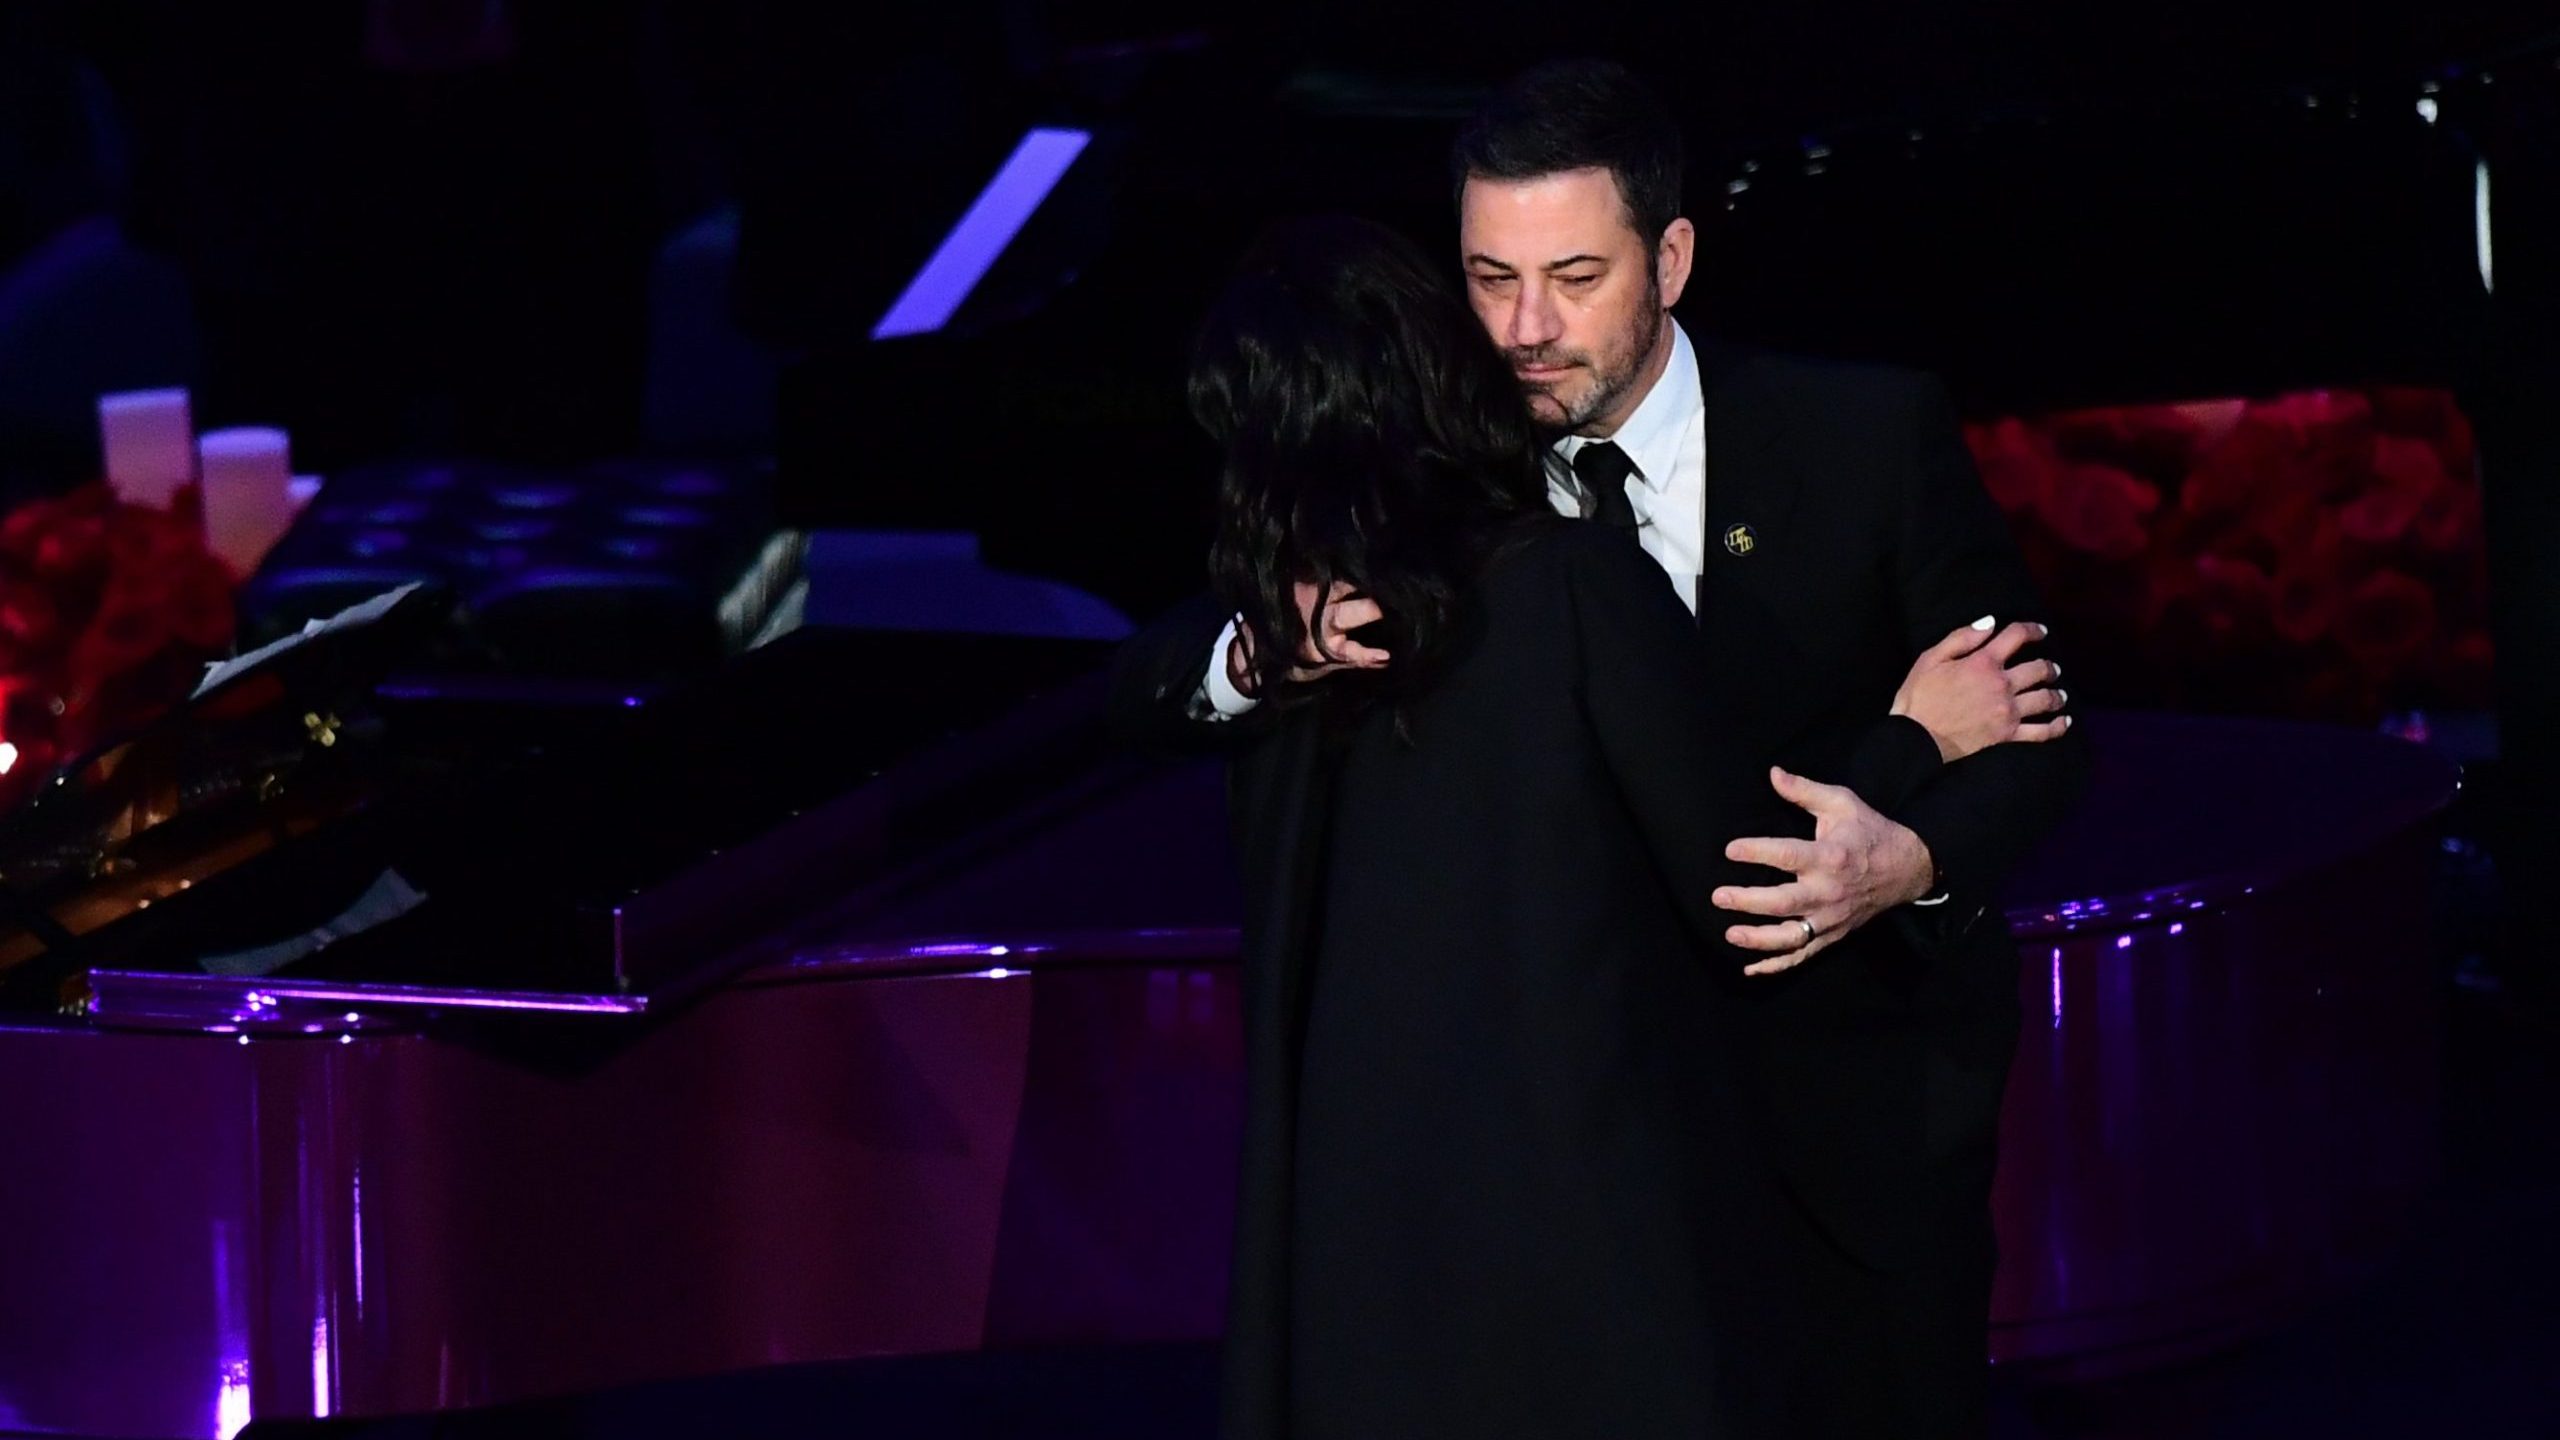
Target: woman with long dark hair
{"type": "Point", "coordinates": [1496, 1178]}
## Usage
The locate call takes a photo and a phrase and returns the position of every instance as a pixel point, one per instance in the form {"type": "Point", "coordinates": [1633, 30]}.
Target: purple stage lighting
{"type": "Point", "coordinates": [970, 250]}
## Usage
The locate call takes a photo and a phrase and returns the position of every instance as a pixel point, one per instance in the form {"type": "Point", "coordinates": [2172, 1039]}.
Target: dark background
{"type": "Point", "coordinates": [427, 223]}
{"type": "Point", "coordinates": [434, 227]}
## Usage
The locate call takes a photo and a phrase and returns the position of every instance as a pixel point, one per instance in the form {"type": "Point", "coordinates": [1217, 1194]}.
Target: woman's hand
{"type": "Point", "coordinates": [1970, 698]}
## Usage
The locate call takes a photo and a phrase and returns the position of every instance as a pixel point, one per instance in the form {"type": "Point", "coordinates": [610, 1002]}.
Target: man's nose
{"type": "Point", "coordinates": [1534, 321]}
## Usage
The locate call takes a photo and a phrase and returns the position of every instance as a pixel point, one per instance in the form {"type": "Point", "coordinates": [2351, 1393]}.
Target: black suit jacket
{"type": "Point", "coordinates": [1483, 964]}
{"type": "Point", "coordinates": [1846, 532]}
{"type": "Point", "coordinates": [1870, 537]}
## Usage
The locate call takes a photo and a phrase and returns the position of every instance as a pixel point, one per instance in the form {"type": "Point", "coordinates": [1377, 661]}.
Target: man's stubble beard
{"type": "Point", "coordinates": [1613, 385]}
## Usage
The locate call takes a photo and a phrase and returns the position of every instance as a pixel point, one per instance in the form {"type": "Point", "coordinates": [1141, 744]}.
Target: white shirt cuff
{"type": "Point", "coordinates": [1218, 698]}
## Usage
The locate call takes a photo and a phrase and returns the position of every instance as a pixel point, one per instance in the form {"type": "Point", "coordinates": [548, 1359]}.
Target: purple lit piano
{"type": "Point", "coordinates": [974, 1087]}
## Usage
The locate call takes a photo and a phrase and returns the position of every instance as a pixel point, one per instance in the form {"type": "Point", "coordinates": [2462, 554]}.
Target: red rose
{"type": "Point", "coordinates": [138, 537]}
{"type": "Point", "coordinates": [2231, 596]}
{"type": "Point", "coordinates": [2448, 520]}
{"type": "Point", "coordinates": [104, 611]}
{"type": "Point", "coordinates": [2310, 585]}
{"type": "Point", "coordinates": [2275, 466]}
{"type": "Point", "coordinates": [2401, 463]}
{"type": "Point", "coordinates": [19, 531]}
{"type": "Point", "coordinates": [74, 549]}
{"type": "Point", "coordinates": [2228, 475]}
{"type": "Point", "coordinates": [2290, 513]}
{"type": "Point", "coordinates": [200, 604]}
{"type": "Point", "coordinates": [2017, 468]}
{"type": "Point", "coordinates": [2282, 460]}
{"type": "Point", "coordinates": [116, 641]}
{"type": "Point", "coordinates": [2387, 621]}
{"type": "Point", "coordinates": [30, 622]}
{"type": "Point", "coordinates": [2099, 510]}
{"type": "Point", "coordinates": [2378, 517]}
{"type": "Point", "coordinates": [2455, 446]}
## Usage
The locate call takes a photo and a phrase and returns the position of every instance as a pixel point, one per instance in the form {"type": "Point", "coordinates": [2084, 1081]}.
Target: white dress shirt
{"type": "Point", "coordinates": [1666, 438]}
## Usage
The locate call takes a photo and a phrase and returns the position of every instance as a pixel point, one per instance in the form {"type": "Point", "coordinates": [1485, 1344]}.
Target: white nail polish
{"type": "Point", "coordinates": [1985, 623]}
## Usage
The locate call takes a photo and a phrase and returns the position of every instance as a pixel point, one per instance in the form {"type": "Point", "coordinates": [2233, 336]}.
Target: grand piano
{"type": "Point", "coordinates": [949, 1061]}
{"type": "Point", "coordinates": [859, 1000]}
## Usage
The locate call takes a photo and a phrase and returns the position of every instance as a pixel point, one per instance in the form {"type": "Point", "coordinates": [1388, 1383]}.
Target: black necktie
{"type": "Point", "coordinates": [1603, 469]}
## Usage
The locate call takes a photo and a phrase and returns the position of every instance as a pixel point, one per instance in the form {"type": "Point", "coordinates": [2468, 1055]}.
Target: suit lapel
{"type": "Point", "coordinates": [1754, 564]}
{"type": "Point", "coordinates": [1751, 488]}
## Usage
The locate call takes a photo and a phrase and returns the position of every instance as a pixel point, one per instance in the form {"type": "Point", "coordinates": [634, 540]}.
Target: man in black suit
{"type": "Point", "coordinates": [1824, 524]}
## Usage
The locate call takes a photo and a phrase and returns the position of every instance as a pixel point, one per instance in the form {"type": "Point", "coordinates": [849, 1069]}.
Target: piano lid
{"type": "Point", "coordinates": [617, 850]}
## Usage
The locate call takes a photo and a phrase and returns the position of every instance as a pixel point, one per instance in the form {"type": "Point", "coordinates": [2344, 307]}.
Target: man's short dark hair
{"type": "Point", "coordinates": [1578, 115]}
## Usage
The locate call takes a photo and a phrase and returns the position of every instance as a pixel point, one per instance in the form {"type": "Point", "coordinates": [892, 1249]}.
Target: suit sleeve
{"type": "Point", "coordinates": [1159, 670]}
{"type": "Point", "coordinates": [1955, 559]}
{"type": "Point", "coordinates": [1657, 718]}
{"type": "Point", "coordinates": [1893, 759]}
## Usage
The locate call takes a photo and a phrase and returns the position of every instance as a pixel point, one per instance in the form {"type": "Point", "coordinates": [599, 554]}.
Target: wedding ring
{"type": "Point", "coordinates": [1809, 931]}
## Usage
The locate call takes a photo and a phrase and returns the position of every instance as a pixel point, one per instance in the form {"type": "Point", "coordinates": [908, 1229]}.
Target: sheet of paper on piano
{"type": "Point", "coordinates": [388, 898]}
{"type": "Point", "coordinates": [363, 613]}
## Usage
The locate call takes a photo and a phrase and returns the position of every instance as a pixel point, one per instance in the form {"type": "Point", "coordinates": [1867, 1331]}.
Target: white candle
{"type": "Point", "coordinates": [149, 440]}
{"type": "Point", "coordinates": [247, 477]}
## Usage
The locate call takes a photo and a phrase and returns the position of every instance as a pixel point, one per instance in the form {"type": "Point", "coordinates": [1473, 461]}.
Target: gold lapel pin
{"type": "Point", "coordinates": [1741, 539]}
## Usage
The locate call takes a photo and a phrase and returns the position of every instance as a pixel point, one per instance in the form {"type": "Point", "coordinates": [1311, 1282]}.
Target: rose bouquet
{"type": "Point", "coordinates": [2316, 555]}
{"type": "Point", "coordinates": [108, 613]}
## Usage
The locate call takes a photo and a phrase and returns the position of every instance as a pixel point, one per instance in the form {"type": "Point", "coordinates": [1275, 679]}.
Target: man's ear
{"type": "Point", "coordinates": [1672, 259]}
